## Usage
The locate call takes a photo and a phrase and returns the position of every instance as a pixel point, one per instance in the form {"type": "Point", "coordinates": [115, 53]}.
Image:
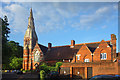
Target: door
{"type": "Point", "coordinates": [89, 72]}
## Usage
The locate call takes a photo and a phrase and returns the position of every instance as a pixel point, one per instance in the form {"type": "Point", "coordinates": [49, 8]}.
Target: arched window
{"type": "Point", "coordinates": [37, 56]}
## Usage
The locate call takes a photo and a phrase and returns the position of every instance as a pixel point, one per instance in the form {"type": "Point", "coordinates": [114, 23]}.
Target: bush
{"type": "Point", "coordinates": [44, 67]}
{"type": "Point", "coordinates": [24, 71]}
{"type": "Point", "coordinates": [58, 64]}
{"type": "Point", "coordinates": [52, 68]}
{"type": "Point", "coordinates": [42, 74]}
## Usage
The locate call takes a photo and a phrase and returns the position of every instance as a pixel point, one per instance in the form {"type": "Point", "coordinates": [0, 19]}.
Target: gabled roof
{"type": "Point", "coordinates": [43, 48]}
{"type": "Point", "coordinates": [66, 52]}
{"type": "Point", "coordinates": [58, 53]}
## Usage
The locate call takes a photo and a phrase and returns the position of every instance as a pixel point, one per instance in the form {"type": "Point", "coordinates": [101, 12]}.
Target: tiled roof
{"type": "Point", "coordinates": [58, 53]}
{"type": "Point", "coordinates": [65, 52]}
{"type": "Point", "coordinates": [43, 48]}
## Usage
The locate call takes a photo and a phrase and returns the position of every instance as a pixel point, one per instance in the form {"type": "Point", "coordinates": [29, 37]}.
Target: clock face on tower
{"type": "Point", "coordinates": [37, 56]}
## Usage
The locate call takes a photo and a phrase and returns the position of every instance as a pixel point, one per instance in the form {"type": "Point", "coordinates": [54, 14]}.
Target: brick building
{"type": "Point", "coordinates": [85, 59]}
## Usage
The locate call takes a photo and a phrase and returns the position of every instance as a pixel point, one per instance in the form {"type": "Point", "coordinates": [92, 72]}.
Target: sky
{"type": "Point", "coordinates": [61, 22]}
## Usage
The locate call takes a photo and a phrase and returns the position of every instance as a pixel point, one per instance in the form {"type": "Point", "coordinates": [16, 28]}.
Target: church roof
{"type": "Point", "coordinates": [65, 52]}
{"type": "Point", "coordinates": [43, 48]}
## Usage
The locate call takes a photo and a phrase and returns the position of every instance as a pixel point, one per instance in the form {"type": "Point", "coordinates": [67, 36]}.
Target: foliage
{"type": "Point", "coordinates": [47, 68]}
{"type": "Point", "coordinates": [58, 64]}
{"type": "Point", "coordinates": [15, 49]}
{"type": "Point", "coordinates": [24, 71]}
{"type": "Point", "coordinates": [52, 68]}
{"type": "Point", "coordinates": [5, 30]}
{"type": "Point", "coordinates": [42, 74]}
{"type": "Point", "coordinates": [10, 49]}
{"type": "Point", "coordinates": [16, 63]}
{"type": "Point", "coordinates": [44, 67]}
{"type": "Point", "coordinates": [5, 48]}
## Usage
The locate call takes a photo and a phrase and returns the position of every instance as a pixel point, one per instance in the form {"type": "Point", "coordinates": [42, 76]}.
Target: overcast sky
{"type": "Point", "coordinates": [61, 22]}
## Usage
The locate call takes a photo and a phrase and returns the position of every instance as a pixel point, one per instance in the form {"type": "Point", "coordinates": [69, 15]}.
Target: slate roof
{"type": "Point", "coordinates": [43, 48]}
{"type": "Point", "coordinates": [56, 53]}
{"type": "Point", "coordinates": [65, 52]}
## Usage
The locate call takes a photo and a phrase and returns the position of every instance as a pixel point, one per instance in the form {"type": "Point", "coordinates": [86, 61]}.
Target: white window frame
{"type": "Point", "coordinates": [86, 60]}
{"type": "Point", "coordinates": [103, 56]}
{"type": "Point", "coordinates": [69, 60]}
{"type": "Point", "coordinates": [64, 72]}
{"type": "Point", "coordinates": [78, 56]}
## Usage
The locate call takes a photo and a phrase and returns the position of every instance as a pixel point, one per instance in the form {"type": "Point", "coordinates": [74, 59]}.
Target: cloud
{"type": "Point", "coordinates": [103, 27]}
{"type": "Point", "coordinates": [57, 16]}
{"type": "Point", "coordinates": [98, 17]}
{"type": "Point", "coordinates": [17, 17]}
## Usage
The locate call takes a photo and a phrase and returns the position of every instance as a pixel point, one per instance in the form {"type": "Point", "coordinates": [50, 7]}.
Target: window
{"type": "Point", "coordinates": [37, 56]}
{"type": "Point", "coordinates": [86, 60]}
{"type": "Point", "coordinates": [78, 57]}
{"type": "Point", "coordinates": [103, 56]}
{"type": "Point", "coordinates": [64, 72]}
{"type": "Point", "coordinates": [69, 60]}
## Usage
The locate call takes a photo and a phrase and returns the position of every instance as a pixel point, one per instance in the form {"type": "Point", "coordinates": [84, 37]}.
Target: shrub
{"type": "Point", "coordinates": [44, 67]}
{"type": "Point", "coordinates": [24, 71]}
{"type": "Point", "coordinates": [58, 64]}
{"type": "Point", "coordinates": [42, 74]}
{"type": "Point", "coordinates": [52, 68]}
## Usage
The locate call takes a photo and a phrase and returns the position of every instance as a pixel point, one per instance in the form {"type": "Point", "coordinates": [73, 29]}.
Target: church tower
{"type": "Point", "coordinates": [30, 39]}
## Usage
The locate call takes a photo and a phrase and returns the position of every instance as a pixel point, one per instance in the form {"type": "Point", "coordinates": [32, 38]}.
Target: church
{"type": "Point", "coordinates": [85, 59]}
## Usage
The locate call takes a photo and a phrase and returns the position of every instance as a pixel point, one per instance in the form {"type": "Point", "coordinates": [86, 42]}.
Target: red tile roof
{"type": "Point", "coordinates": [65, 52]}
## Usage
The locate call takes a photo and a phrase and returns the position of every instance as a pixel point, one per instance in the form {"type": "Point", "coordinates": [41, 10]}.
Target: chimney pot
{"type": "Point", "coordinates": [49, 45]}
{"type": "Point", "coordinates": [72, 43]}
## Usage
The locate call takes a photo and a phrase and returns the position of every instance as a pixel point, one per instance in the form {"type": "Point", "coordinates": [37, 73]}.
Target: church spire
{"type": "Point", "coordinates": [31, 20]}
{"type": "Point", "coordinates": [31, 14]}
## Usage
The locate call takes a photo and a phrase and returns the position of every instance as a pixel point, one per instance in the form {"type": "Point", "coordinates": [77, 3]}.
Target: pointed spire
{"type": "Point", "coordinates": [31, 14]}
{"type": "Point", "coordinates": [31, 20]}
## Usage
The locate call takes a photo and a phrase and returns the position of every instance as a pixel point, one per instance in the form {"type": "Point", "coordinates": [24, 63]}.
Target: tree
{"type": "Point", "coordinates": [5, 48]}
{"type": "Point", "coordinates": [15, 49]}
{"type": "Point", "coordinates": [5, 30]}
{"type": "Point", "coordinates": [16, 63]}
{"type": "Point", "coordinates": [10, 49]}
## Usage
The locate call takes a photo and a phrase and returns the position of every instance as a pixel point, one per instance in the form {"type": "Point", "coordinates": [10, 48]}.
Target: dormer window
{"type": "Point", "coordinates": [103, 56]}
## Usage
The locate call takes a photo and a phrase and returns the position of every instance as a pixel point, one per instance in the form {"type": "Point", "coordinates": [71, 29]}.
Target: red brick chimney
{"type": "Point", "coordinates": [49, 46]}
{"type": "Point", "coordinates": [72, 43]}
{"type": "Point", "coordinates": [113, 43]}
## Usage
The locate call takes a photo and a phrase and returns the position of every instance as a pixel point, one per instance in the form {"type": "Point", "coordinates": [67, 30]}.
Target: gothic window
{"type": "Point", "coordinates": [37, 56]}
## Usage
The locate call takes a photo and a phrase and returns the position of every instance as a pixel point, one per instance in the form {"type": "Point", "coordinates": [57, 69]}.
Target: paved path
{"type": "Point", "coordinates": [14, 76]}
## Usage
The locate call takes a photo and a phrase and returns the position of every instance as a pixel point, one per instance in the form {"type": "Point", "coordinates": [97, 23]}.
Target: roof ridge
{"type": "Point", "coordinates": [42, 45]}
{"type": "Point", "coordinates": [60, 46]}
{"type": "Point", "coordinates": [79, 44]}
{"type": "Point", "coordinates": [91, 42]}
